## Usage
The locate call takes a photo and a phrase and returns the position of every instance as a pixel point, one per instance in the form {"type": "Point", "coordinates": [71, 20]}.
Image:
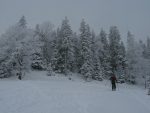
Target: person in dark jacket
{"type": "Point", "coordinates": [113, 82]}
{"type": "Point", "coordinates": [19, 76]}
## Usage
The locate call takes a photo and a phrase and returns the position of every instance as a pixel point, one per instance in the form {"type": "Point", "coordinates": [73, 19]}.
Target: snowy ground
{"type": "Point", "coordinates": [38, 93]}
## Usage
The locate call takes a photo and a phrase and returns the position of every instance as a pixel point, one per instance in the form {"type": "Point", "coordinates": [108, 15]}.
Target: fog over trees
{"type": "Point", "coordinates": [61, 50]}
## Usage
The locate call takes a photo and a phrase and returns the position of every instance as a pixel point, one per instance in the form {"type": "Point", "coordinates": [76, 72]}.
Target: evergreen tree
{"type": "Point", "coordinates": [147, 49]}
{"type": "Point", "coordinates": [76, 53]}
{"type": "Point", "coordinates": [114, 46]}
{"type": "Point", "coordinates": [87, 70]}
{"type": "Point", "coordinates": [131, 58]}
{"type": "Point", "coordinates": [44, 36]}
{"type": "Point", "coordinates": [84, 42]}
{"type": "Point", "coordinates": [93, 44]}
{"type": "Point", "coordinates": [122, 66]}
{"type": "Point", "coordinates": [104, 55]}
{"type": "Point", "coordinates": [22, 22]}
{"type": "Point", "coordinates": [37, 56]}
{"type": "Point", "coordinates": [57, 60]}
{"type": "Point", "coordinates": [20, 60]}
{"type": "Point", "coordinates": [141, 68]}
{"type": "Point", "coordinates": [85, 51]}
{"type": "Point", "coordinates": [97, 70]}
{"type": "Point", "coordinates": [47, 34]}
{"type": "Point", "coordinates": [65, 48]}
{"type": "Point", "coordinates": [54, 59]}
{"type": "Point", "coordinates": [16, 48]}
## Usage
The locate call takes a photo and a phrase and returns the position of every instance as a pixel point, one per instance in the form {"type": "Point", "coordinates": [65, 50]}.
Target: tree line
{"type": "Point", "coordinates": [61, 50]}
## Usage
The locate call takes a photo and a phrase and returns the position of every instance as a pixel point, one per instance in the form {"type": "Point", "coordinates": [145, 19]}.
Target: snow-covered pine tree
{"type": "Point", "coordinates": [122, 53]}
{"type": "Point", "coordinates": [46, 35]}
{"type": "Point", "coordinates": [137, 63]}
{"type": "Point", "coordinates": [84, 44]}
{"type": "Point", "coordinates": [21, 60]}
{"type": "Point", "coordinates": [37, 62]}
{"type": "Point", "coordinates": [49, 35]}
{"type": "Point", "coordinates": [131, 58]}
{"type": "Point", "coordinates": [5, 64]}
{"type": "Point", "coordinates": [65, 48]}
{"type": "Point", "coordinates": [87, 70]}
{"type": "Point", "coordinates": [142, 64]}
{"type": "Point", "coordinates": [22, 22]}
{"type": "Point", "coordinates": [103, 54]}
{"type": "Point", "coordinates": [5, 56]}
{"type": "Point", "coordinates": [122, 66]}
{"type": "Point", "coordinates": [97, 70]}
{"type": "Point", "coordinates": [76, 53]}
{"type": "Point", "coordinates": [21, 53]}
{"type": "Point", "coordinates": [15, 40]}
{"type": "Point", "coordinates": [37, 56]}
{"type": "Point", "coordinates": [57, 60]}
{"type": "Point", "coordinates": [54, 59]}
{"type": "Point", "coordinates": [147, 49]}
{"type": "Point", "coordinates": [85, 51]}
{"type": "Point", "coordinates": [114, 46]}
{"type": "Point", "coordinates": [93, 45]}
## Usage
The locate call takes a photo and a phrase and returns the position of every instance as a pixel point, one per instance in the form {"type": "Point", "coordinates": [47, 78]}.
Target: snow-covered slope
{"type": "Point", "coordinates": [38, 93]}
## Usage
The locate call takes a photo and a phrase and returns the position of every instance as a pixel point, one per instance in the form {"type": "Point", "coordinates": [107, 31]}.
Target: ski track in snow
{"type": "Point", "coordinates": [38, 93]}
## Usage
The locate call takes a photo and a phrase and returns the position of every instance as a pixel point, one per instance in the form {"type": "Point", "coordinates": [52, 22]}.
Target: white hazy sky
{"type": "Point", "coordinates": [133, 15]}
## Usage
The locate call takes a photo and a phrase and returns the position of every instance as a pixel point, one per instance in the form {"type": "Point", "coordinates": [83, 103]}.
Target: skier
{"type": "Point", "coordinates": [149, 91]}
{"type": "Point", "coordinates": [113, 82]}
{"type": "Point", "coordinates": [148, 86]}
{"type": "Point", "coordinates": [19, 76]}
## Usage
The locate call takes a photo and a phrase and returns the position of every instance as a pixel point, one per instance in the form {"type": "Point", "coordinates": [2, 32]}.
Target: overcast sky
{"type": "Point", "coordinates": [133, 15]}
